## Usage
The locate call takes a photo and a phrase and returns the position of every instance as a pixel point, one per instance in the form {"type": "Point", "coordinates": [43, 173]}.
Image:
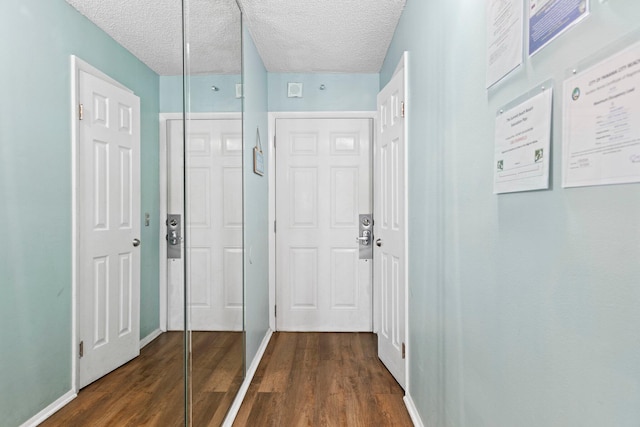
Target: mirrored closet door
{"type": "Point", "coordinates": [181, 62]}
{"type": "Point", "coordinates": [211, 203]}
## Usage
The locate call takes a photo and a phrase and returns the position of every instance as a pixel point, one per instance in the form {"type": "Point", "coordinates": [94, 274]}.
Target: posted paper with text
{"type": "Point", "coordinates": [601, 124]}
{"type": "Point", "coordinates": [505, 38]}
{"type": "Point", "coordinates": [522, 145]}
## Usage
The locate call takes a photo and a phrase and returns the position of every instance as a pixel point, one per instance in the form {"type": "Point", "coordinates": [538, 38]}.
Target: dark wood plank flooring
{"type": "Point", "coordinates": [149, 390]}
{"type": "Point", "coordinates": [322, 379]}
{"type": "Point", "coordinates": [304, 379]}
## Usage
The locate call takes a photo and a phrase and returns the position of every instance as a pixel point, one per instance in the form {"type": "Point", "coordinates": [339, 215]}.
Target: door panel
{"type": "Point", "coordinates": [344, 271]}
{"type": "Point", "coordinates": [303, 197]}
{"type": "Point", "coordinates": [304, 278]}
{"type": "Point", "coordinates": [390, 227]}
{"type": "Point", "coordinates": [109, 212]}
{"type": "Point", "coordinates": [344, 195]}
{"type": "Point", "coordinates": [323, 183]}
{"type": "Point", "coordinates": [214, 224]}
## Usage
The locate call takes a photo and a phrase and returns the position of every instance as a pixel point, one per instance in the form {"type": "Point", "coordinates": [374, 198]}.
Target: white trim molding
{"type": "Point", "coordinates": [149, 338]}
{"type": "Point", "coordinates": [403, 67]}
{"type": "Point", "coordinates": [413, 411]}
{"type": "Point", "coordinates": [50, 410]}
{"type": "Point", "coordinates": [237, 402]}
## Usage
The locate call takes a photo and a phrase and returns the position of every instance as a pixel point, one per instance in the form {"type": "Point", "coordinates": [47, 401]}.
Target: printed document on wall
{"type": "Point", "coordinates": [505, 38]}
{"type": "Point", "coordinates": [550, 18]}
{"type": "Point", "coordinates": [522, 145]}
{"type": "Point", "coordinates": [601, 131]}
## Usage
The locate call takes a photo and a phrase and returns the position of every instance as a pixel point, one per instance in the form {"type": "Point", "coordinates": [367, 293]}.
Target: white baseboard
{"type": "Point", "coordinates": [50, 410]}
{"type": "Point", "coordinates": [152, 336]}
{"type": "Point", "coordinates": [413, 411]}
{"type": "Point", "coordinates": [70, 395]}
{"type": "Point", "coordinates": [237, 402]}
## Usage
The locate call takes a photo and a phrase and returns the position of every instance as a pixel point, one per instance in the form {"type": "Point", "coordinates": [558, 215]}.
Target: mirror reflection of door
{"type": "Point", "coordinates": [213, 184]}
{"type": "Point", "coordinates": [211, 192]}
{"type": "Point", "coordinates": [140, 45]}
{"type": "Point", "coordinates": [214, 208]}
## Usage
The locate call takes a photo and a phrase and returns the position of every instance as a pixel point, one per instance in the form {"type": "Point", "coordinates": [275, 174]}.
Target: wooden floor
{"type": "Point", "coordinates": [304, 379]}
{"type": "Point", "coordinates": [322, 379]}
{"type": "Point", "coordinates": [149, 390]}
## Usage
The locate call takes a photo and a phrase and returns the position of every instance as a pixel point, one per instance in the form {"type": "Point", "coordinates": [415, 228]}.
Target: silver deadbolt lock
{"type": "Point", "coordinates": [365, 236]}
{"type": "Point", "coordinates": [174, 236]}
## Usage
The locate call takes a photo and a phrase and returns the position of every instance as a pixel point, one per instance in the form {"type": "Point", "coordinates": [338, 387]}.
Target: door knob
{"type": "Point", "coordinates": [136, 243]}
{"type": "Point", "coordinates": [379, 242]}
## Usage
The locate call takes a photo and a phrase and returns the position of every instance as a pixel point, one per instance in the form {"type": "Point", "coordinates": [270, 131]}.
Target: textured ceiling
{"type": "Point", "coordinates": [350, 36]}
{"type": "Point", "coordinates": [152, 31]}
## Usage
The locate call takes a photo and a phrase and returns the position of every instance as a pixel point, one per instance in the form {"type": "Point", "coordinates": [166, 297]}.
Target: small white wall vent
{"type": "Point", "coordinates": [294, 90]}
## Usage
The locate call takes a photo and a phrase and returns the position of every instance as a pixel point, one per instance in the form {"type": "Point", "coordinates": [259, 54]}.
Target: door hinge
{"type": "Point", "coordinates": [275, 311]}
{"type": "Point", "coordinates": [274, 226]}
{"type": "Point", "coordinates": [274, 141]}
{"type": "Point", "coordinates": [402, 108]}
{"type": "Point", "coordinates": [404, 351]}
{"type": "Point", "coordinates": [81, 112]}
{"type": "Point", "coordinates": [81, 349]}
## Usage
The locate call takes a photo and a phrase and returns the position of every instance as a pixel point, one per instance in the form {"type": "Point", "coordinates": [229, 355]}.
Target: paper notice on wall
{"type": "Point", "coordinates": [505, 38]}
{"type": "Point", "coordinates": [522, 145]}
{"type": "Point", "coordinates": [601, 124]}
{"type": "Point", "coordinates": [550, 18]}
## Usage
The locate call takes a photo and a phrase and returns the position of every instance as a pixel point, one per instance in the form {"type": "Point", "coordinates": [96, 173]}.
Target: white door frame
{"type": "Point", "coordinates": [78, 65]}
{"type": "Point", "coordinates": [403, 67]}
{"type": "Point", "coordinates": [164, 199]}
{"type": "Point", "coordinates": [272, 185]}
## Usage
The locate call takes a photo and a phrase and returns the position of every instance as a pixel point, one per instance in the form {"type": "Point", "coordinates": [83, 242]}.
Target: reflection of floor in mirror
{"type": "Point", "coordinates": [149, 390]}
{"type": "Point", "coordinates": [323, 379]}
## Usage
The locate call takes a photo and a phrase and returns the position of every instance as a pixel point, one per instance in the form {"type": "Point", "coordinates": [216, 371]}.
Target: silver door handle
{"type": "Point", "coordinates": [173, 237]}
{"type": "Point", "coordinates": [136, 243]}
{"type": "Point", "coordinates": [365, 239]}
{"type": "Point", "coordinates": [379, 242]}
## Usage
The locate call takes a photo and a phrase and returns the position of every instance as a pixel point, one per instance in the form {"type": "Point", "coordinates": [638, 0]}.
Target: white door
{"type": "Point", "coordinates": [390, 227]}
{"type": "Point", "coordinates": [214, 224]}
{"type": "Point", "coordinates": [323, 183]}
{"type": "Point", "coordinates": [109, 224]}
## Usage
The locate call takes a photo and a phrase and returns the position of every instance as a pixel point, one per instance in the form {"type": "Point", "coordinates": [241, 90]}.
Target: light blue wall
{"type": "Point", "coordinates": [524, 308]}
{"type": "Point", "coordinates": [256, 200]}
{"type": "Point", "coordinates": [36, 40]}
{"type": "Point", "coordinates": [202, 98]}
{"type": "Point", "coordinates": [343, 92]}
